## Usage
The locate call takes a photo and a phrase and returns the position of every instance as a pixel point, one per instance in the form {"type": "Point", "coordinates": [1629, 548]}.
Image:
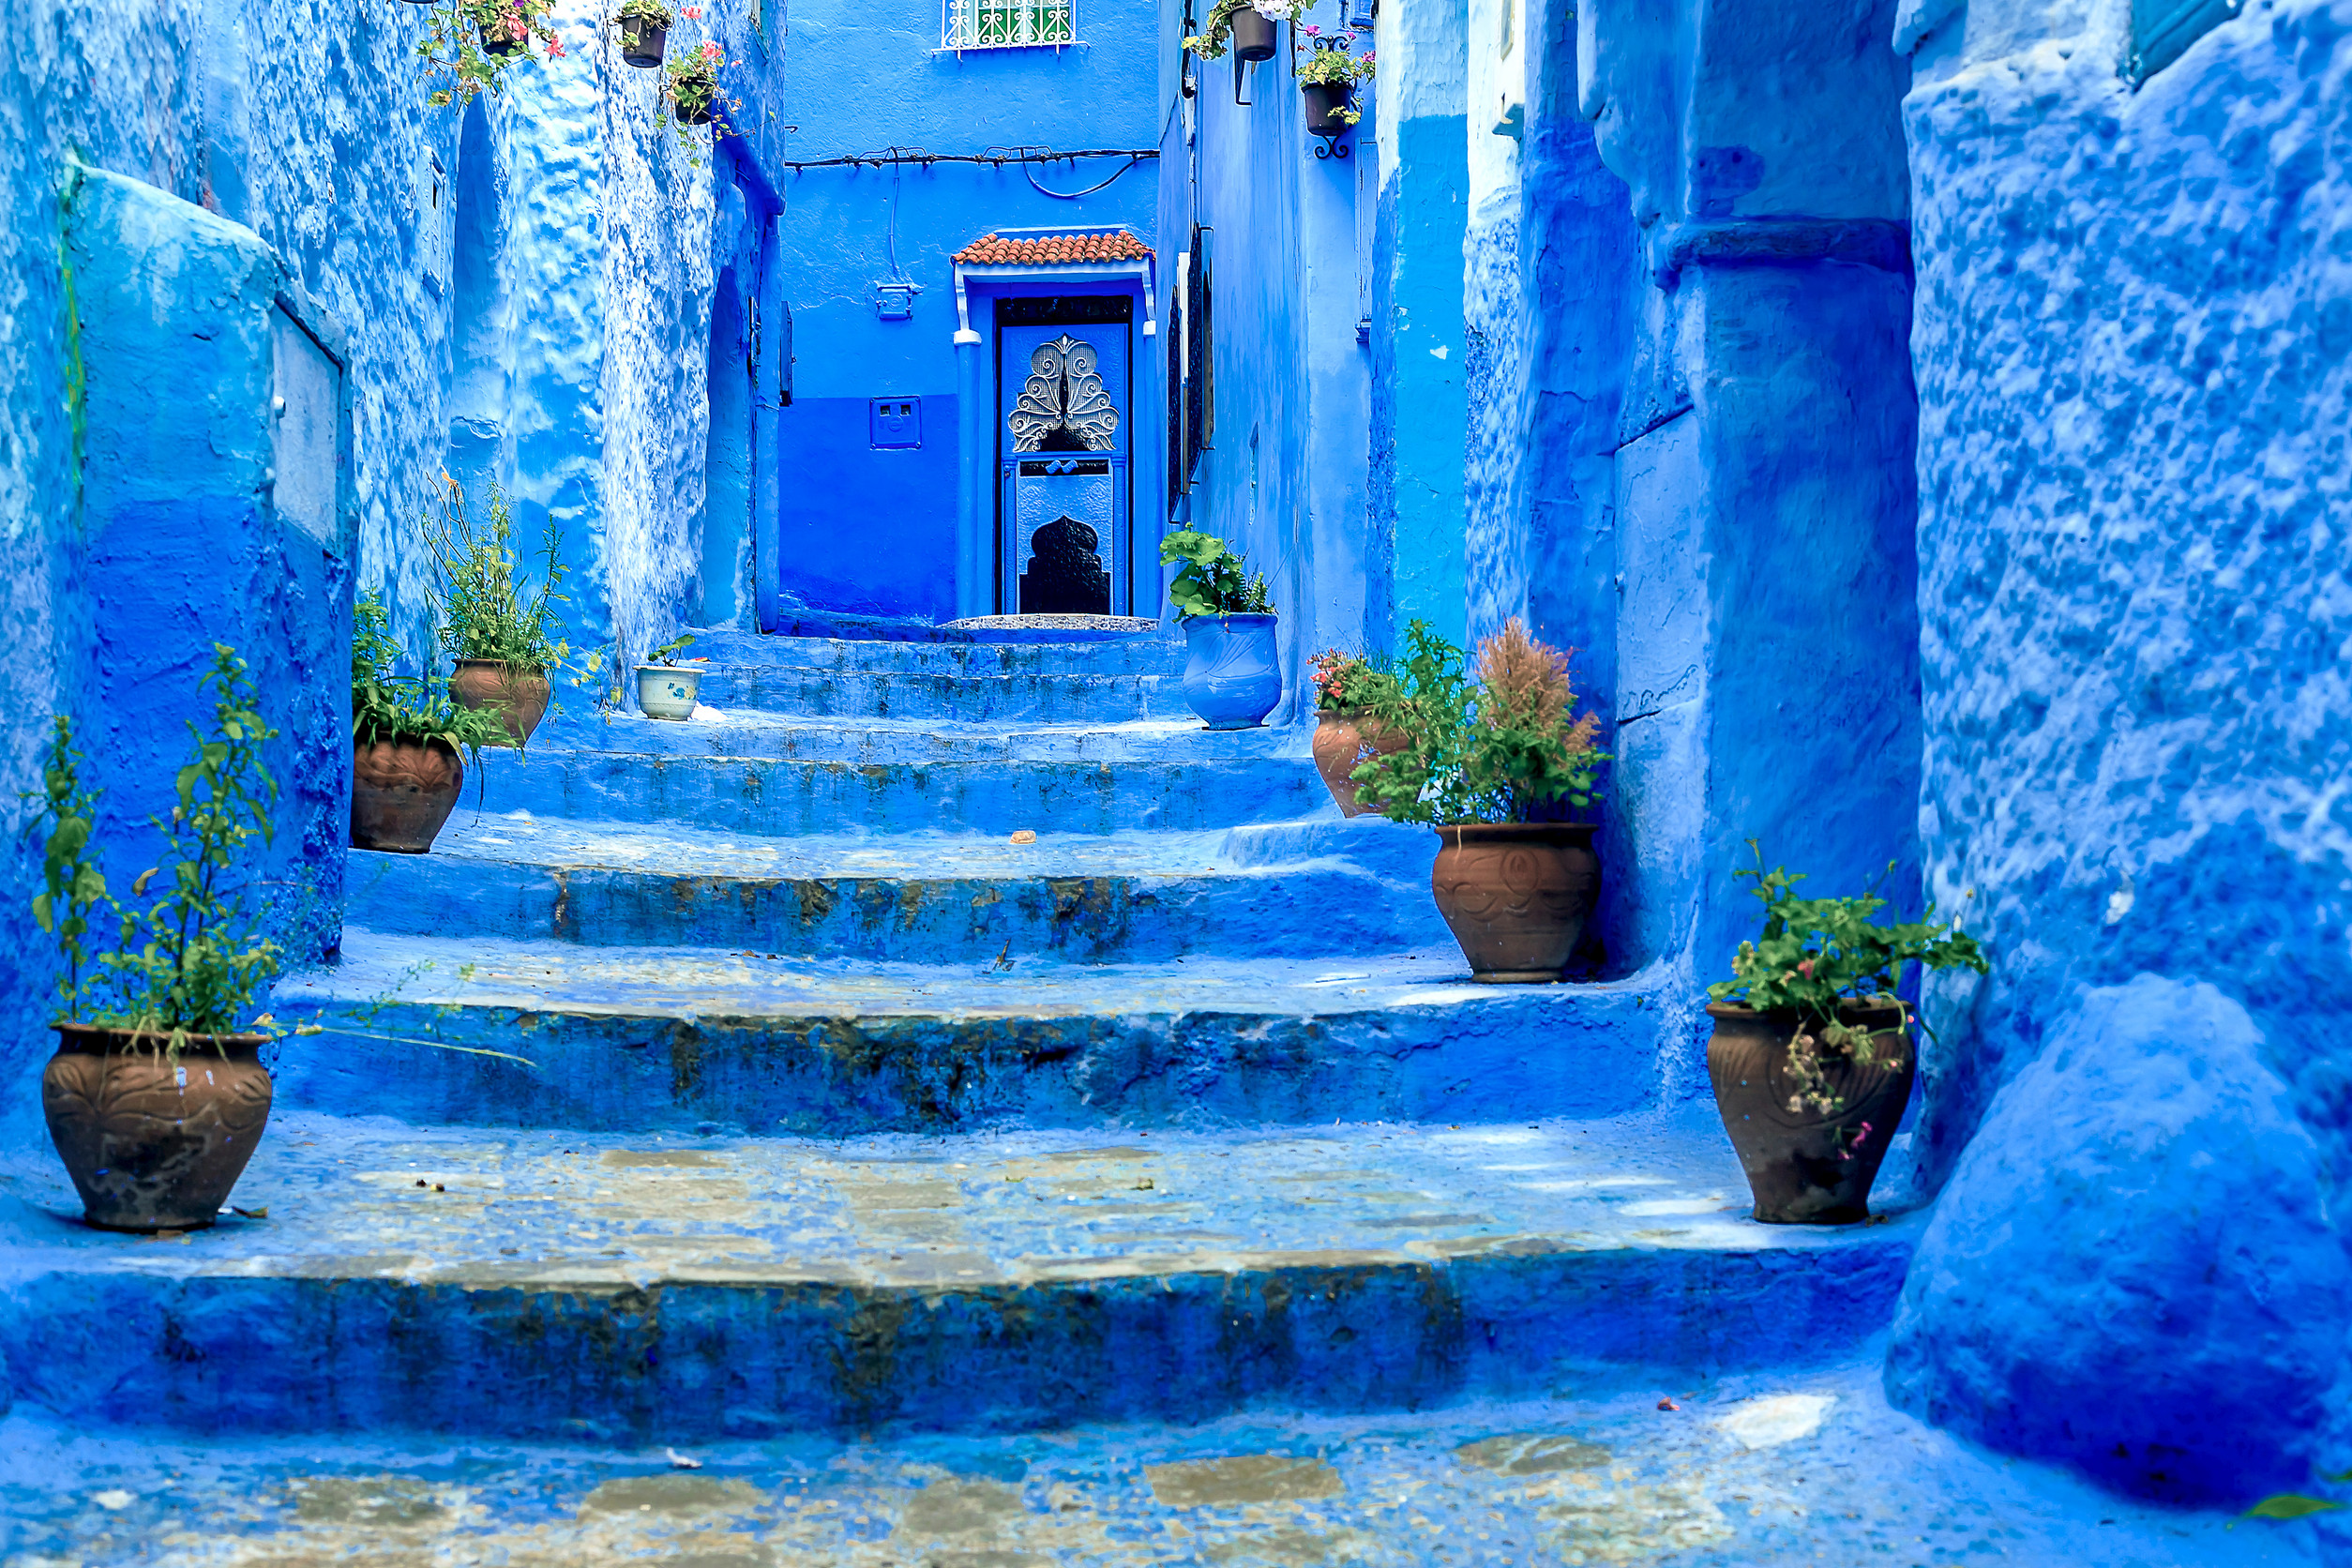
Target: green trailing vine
{"type": "Point", "coordinates": [1211, 579]}
{"type": "Point", "coordinates": [1816, 956]}
{"type": "Point", "coordinates": [469, 45]}
{"type": "Point", "coordinates": [192, 960]}
{"type": "Point", "coordinates": [1504, 747]}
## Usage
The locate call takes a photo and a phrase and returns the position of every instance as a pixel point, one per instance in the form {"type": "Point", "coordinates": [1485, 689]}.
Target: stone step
{"type": "Point", "coordinates": [1773, 1469]}
{"type": "Point", "coordinates": [1157, 652]}
{"type": "Point", "coordinates": [551, 1034]}
{"type": "Point", "coordinates": [906, 897]}
{"type": "Point", "coordinates": [1031, 698]}
{"type": "Point", "coordinates": [646, 1289]}
{"type": "Point", "coordinates": [883, 743]}
{"type": "Point", "coordinates": [1176, 789]}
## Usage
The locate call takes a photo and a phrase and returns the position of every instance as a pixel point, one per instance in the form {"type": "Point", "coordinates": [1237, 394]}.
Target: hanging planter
{"type": "Point", "coordinates": [1253, 35]}
{"type": "Point", "coordinates": [646, 32]}
{"type": "Point", "coordinates": [1245, 27]}
{"type": "Point", "coordinates": [693, 87]}
{"type": "Point", "coordinates": [469, 45]}
{"type": "Point", "coordinates": [1327, 82]}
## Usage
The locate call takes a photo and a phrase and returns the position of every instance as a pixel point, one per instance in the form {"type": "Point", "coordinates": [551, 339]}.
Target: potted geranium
{"type": "Point", "coordinates": [1811, 1059]}
{"type": "Point", "coordinates": [1233, 676]}
{"type": "Point", "coordinates": [157, 1095]}
{"type": "Point", "coordinates": [645, 31]}
{"type": "Point", "coordinates": [693, 86]}
{"type": "Point", "coordinates": [667, 685]}
{"type": "Point", "coordinates": [1244, 26]}
{"type": "Point", "coordinates": [1487, 765]}
{"type": "Point", "coordinates": [473, 42]}
{"type": "Point", "coordinates": [405, 738]}
{"type": "Point", "coordinates": [503, 642]}
{"type": "Point", "coordinates": [1347, 686]}
{"type": "Point", "coordinates": [1327, 80]}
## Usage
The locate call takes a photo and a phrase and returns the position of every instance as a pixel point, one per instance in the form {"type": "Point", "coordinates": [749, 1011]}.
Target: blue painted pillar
{"type": "Point", "coordinates": [1419, 409]}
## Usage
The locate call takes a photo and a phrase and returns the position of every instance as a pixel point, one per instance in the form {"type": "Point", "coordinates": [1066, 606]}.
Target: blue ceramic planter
{"type": "Point", "coordinates": [1232, 679]}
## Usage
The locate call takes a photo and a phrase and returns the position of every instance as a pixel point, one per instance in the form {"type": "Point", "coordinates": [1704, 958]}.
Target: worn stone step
{"type": "Point", "coordinates": [1035, 698]}
{"type": "Point", "coordinates": [1155, 652]}
{"type": "Point", "coordinates": [870, 741]}
{"type": "Point", "coordinates": [680, 1037]}
{"type": "Point", "coordinates": [907, 897]}
{"type": "Point", "coordinates": [1774, 1469]}
{"type": "Point", "coordinates": [638, 1287]}
{"type": "Point", "coordinates": [782, 797]}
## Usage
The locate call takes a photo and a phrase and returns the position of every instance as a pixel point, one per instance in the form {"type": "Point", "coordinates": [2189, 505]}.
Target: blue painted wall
{"type": "Point", "coordinates": [2131, 348]}
{"type": "Point", "coordinates": [874, 533]}
{"type": "Point", "coordinates": [291, 149]}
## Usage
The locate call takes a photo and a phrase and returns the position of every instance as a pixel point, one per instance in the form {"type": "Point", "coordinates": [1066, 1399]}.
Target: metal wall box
{"type": "Point", "coordinates": [897, 424]}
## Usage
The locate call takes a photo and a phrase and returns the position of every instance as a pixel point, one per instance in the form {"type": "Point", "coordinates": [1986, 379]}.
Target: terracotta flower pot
{"type": "Point", "coordinates": [1807, 1169]}
{"type": "Point", "coordinates": [518, 697]}
{"type": "Point", "coordinates": [1324, 102]}
{"type": "Point", "coordinates": [401, 793]}
{"type": "Point", "coordinates": [1516, 895]}
{"type": "Point", "coordinates": [1253, 35]}
{"type": "Point", "coordinates": [1341, 745]}
{"type": "Point", "coordinates": [644, 41]}
{"type": "Point", "coordinates": [153, 1144]}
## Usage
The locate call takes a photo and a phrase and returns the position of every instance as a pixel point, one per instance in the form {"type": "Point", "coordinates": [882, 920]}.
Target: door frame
{"type": "Point", "coordinates": [977, 289]}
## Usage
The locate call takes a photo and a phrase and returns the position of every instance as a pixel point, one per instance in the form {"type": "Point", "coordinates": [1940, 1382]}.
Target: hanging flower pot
{"type": "Point", "coordinates": [644, 37]}
{"type": "Point", "coordinates": [693, 89]}
{"type": "Point", "coordinates": [505, 33]}
{"type": "Point", "coordinates": [1330, 106]}
{"type": "Point", "coordinates": [1253, 35]}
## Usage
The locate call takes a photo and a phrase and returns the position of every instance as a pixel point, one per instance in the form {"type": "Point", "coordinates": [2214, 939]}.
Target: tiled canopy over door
{"type": "Point", "coordinates": [1065, 405]}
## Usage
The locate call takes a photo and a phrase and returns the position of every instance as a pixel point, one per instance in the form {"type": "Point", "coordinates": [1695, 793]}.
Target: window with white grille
{"type": "Point", "coordinates": [1009, 23]}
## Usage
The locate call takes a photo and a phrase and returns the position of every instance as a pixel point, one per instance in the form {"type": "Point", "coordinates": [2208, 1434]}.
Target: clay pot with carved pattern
{"type": "Point", "coordinates": [154, 1143]}
{"type": "Point", "coordinates": [518, 696]}
{"type": "Point", "coordinates": [401, 793]}
{"type": "Point", "coordinates": [1808, 1166]}
{"type": "Point", "coordinates": [1344, 737]}
{"type": "Point", "coordinates": [1516, 895]}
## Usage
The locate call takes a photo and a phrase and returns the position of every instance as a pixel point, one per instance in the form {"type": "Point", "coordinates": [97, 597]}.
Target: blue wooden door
{"type": "Point", "coordinates": [1064, 406]}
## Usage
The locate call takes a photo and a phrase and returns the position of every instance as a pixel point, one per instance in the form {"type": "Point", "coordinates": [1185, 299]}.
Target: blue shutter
{"type": "Point", "coordinates": [2161, 30]}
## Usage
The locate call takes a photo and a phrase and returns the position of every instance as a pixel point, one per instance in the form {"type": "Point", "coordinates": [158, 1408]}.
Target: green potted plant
{"type": "Point", "coordinates": [666, 684]}
{"type": "Point", "coordinates": [1346, 687]}
{"type": "Point", "coordinates": [405, 738]}
{"type": "Point", "coordinates": [1327, 81]}
{"type": "Point", "coordinates": [1244, 26]}
{"type": "Point", "coordinates": [1485, 763]}
{"type": "Point", "coordinates": [503, 640]}
{"type": "Point", "coordinates": [157, 1095]}
{"type": "Point", "coordinates": [1812, 1058]}
{"type": "Point", "coordinates": [692, 88]}
{"type": "Point", "coordinates": [1232, 675]}
{"type": "Point", "coordinates": [472, 43]}
{"type": "Point", "coordinates": [645, 31]}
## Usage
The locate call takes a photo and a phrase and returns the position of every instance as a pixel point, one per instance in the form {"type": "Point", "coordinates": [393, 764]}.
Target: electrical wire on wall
{"type": "Point", "coordinates": [1074, 195]}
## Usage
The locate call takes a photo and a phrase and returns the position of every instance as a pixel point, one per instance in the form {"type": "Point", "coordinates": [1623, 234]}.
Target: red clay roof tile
{"type": "Point", "coordinates": [1053, 250]}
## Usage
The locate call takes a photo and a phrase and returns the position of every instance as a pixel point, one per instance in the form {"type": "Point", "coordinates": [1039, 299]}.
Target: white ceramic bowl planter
{"type": "Point", "coordinates": [667, 690]}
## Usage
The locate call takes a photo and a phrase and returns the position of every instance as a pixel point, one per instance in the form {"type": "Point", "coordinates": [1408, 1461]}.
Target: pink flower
{"type": "Point", "coordinates": [692, 13]}
{"type": "Point", "coordinates": [710, 53]}
{"type": "Point", "coordinates": [1310, 30]}
{"type": "Point", "coordinates": [555, 47]}
{"type": "Point", "coordinates": [1805, 969]}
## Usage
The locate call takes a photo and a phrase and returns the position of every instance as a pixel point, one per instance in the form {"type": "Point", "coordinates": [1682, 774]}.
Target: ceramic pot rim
{"type": "Point", "coordinates": [1250, 617]}
{"type": "Point", "coordinates": [418, 743]}
{"type": "Point", "coordinates": [118, 1035]}
{"type": "Point", "coordinates": [668, 670]}
{"type": "Point", "coordinates": [1458, 833]}
{"type": "Point", "coordinates": [1856, 1010]}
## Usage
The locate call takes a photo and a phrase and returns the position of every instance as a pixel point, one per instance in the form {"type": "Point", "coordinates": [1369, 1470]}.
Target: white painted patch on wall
{"type": "Point", "coordinates": [1437, 352]}
{"type": "Point", "coordinates": [2120, 903]}
{"type": "Point", "coordinates": [1775, 1419]}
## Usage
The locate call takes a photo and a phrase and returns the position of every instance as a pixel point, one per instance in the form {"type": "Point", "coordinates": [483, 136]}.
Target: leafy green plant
{"type": "Point", "coordinates": [650, 11]}
{"type": "Point", "coordinates": [486, 612]}
{"type": "Point", "coordinates": [388, 706]}
{"type": "Point", "coordinates": [1345, 681]}
{"type": "Point", "coordinates": [1817, 955]}
{"type": "Point", "coordinates": [473, 43]}
{"type": "Point", "coordinates": [1216, 31]}
{"type": "Point", "coordinates": [667, 654]}
{"type": "Point", "coordinates": [1211, 579]}
{"type": "Point", "coordinates": [192, 960]}
{"type": "Point", "coordinates": [1498, 749]}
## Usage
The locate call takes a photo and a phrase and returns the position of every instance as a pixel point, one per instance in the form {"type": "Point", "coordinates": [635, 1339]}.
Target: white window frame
{"type": "Point", "coordinates": [964, 24]}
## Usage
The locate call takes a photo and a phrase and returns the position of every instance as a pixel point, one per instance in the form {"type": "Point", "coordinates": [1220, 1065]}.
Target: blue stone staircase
{"type": "Point", "coordinates": [744, 1082]}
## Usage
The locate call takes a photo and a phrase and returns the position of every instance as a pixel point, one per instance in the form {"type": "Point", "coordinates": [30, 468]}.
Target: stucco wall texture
{"type": "Point", "coordinates": [2133, 348]}
{"type": "Point", "coordinates": [308, 126]}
